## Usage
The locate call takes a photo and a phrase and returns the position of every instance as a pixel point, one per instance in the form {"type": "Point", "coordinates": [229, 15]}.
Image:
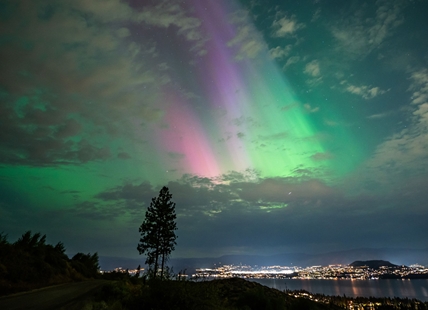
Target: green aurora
{"type": "Point", "coordinates": [268, 115]}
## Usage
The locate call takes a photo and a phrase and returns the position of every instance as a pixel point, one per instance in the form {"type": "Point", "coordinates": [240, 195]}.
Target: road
{"type": "Point", "coordinates": [63, 296]}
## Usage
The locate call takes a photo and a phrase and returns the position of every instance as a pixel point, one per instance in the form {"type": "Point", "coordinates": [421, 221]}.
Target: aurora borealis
{"type": "Point", "coordinates": [278, 126]}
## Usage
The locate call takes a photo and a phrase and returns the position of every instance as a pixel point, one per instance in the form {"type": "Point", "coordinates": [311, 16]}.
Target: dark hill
{"type": "Point", "coordinates": [243, 294]}
{"type": "Point", "coordinates": [374, 264]}
{"type": "Point", "coordinates": [221, 294]}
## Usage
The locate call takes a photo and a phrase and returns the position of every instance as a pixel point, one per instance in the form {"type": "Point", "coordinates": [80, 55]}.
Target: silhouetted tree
{"type": "Point", "coordinates": [3, 239]}
{"type": "Point", "coordinates": [86, 264]}
{"type": "Point", "coordinates": [158, 231]}
{"type": "Point", "coordinates": [31, 243]}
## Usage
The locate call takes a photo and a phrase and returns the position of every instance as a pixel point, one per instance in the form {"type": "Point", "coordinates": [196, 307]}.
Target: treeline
{"type": "Point", "coordinates": [30, 262]}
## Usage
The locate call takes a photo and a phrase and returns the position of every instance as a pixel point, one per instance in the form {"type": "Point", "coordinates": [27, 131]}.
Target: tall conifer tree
{"type": "Point", "coordinates": [158, 231]}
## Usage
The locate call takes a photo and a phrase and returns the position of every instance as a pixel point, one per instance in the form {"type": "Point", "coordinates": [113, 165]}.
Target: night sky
{"type": "Point", "coordinates": [278, 126]}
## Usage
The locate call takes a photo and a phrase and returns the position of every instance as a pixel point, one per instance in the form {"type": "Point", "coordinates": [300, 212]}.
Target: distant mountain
{"type": "Point", "coordinates": [374, 264]}
{"type": "Point", "coordinates": [397, 256]}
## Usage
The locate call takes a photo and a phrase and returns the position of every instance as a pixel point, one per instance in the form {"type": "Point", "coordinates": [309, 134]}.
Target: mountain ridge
{"type": "Point", "coordinates": [373, 264]}
{"type": "Point", "coordinates": [397, 256]}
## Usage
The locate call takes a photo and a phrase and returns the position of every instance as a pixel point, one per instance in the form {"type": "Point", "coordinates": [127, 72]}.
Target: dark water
{"type": "Point", "coordinates": [377, 288]}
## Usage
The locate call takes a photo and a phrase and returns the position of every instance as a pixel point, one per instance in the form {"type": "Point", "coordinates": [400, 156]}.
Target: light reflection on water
{"type": "Point", "coordinates": [377, 288]}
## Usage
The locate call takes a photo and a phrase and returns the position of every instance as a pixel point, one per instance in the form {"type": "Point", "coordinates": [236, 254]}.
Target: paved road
{"type": "Point", "coordinates": [56, 297]}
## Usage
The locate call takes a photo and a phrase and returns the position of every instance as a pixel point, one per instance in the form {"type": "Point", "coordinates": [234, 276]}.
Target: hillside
{"type": "Point", "coordinates": [374, 264]}
{"type": "Point", "coordinates": [232, 293]}
{"type": "Point", "coordinates": [31, 263]}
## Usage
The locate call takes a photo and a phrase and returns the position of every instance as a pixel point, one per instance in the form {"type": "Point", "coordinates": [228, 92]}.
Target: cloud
{"type": "Point", "coordinates": [365, 91]}
{"type": "Point", "coordinates": [300, 212]}
{"type": "Point", "coordinates": [176, 156]}
{"type": "Point", "coordinates": [168, 13]}
{"type": "Point", "coordinates": [419, 86]}
{"type": "Point", "coordinates": [358, 35]}
{"type": "Point", "coordinates": [70, 128]}
{"type": "Point", "coordinates": [70, 192]}
{"type": "Point", "coordinates": [275, 136]}
{"type": "Point", "coordinates": [194, 195]}
{"type": "Point", "coordinates": [310, 109]}
{"type": "Point", "coordinates": [197, 195]}
{"type": "Point", "coordinates": [331, 123]}
{"type": "Point", "coordinates": [316, 15]}
{"type": "Point", "coordinates": [141, 193]}
{"type": "Point", "coordinates": [313, 68]}
{"type": "Point", "coordinates": [305, 208]}
{"type": "Point", "coordinates": [322, 156]}
{"type": "Point", "coordinates": [105, 11]}
{"type": "Point", "coordinates": [289, 107]}
{"type": "Point", "coordinates": [249, 45]}
{"type": "Point", "coordinates": [379, 115]}
{"type": "Point", "coordinates": [248, 40]}
{"type": "Point", "coordinates": [123, 155]}
{"type": "Point", "coordinates": [286, 26]}
{"type": "Point", "coordinates": [247, 121]}
{"type": "Point", "coordinates": [280, 52]}
{"type": "Point", "coordinates": [282, 190]}
{"type": "Point", "coordinates": [292, 60]}
{"type": "Point", "coordinates": [73, 78]}
{"type": "Point", "coordinates": [403, 155]}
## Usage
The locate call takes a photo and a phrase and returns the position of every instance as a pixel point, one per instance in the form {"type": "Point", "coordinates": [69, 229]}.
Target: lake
{"type": "Point", "coordinates": [377, 288]}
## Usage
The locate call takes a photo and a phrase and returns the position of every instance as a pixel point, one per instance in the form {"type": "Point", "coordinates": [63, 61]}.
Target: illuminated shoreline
{"type": "Point", "coordinates": [331, 272]}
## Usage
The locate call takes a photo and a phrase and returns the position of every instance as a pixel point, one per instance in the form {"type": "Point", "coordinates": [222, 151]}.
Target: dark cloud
{"type": "Point", "coordinates": [280, 214]}
{"type": "Point", "coordinates": [247, 121]}
{"type": "Point", "coordinates": [275, 136]}
{"type": "Point", "coordinates": [70, 192]}
{"type": "Point", "coordinates": [289, 107]}
{"type": "Point", "coordinates": [282, 190]}
{"type": "Point", "coordinates": [142, 193]}
{"type": "Point", "coordinates": [240, 135]}
{"type": "Point", "coordinates": [123, 155]}
{"type": "Point", "coordinates": [176, 156]}
{"type": "Point", "coordinates": [70, 128]}
{"type": "Point", "coordinates": [322, 156]}
{"type": "Point", "coordinates": [96, 212]}
{"type": "Point", "coordinates": [32, 144]}
{"type": "Point", "coordinates": [310, 215]}
{"type": "Point", "coordinates": [65, 77]}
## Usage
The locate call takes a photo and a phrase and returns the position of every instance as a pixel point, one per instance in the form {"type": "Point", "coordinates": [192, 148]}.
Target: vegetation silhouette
{"type": "Point", "coordinates": [30, 263]}
{"type": "Point", "coordinates": [176, 293]}
{"type": "Point", "coordinates": [158, 232]}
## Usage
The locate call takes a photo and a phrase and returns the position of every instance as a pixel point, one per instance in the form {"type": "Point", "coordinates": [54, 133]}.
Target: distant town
{"type": "Point", "coordinates": [357, 270]}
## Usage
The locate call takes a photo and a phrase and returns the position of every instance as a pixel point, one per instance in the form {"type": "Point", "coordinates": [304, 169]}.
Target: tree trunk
{"type": "Point", "coordinates": [157, 253]}
{"type": "Point", "coordinates": [156, 264]}
{"type": "Point", "coordinates": [163, 260]}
